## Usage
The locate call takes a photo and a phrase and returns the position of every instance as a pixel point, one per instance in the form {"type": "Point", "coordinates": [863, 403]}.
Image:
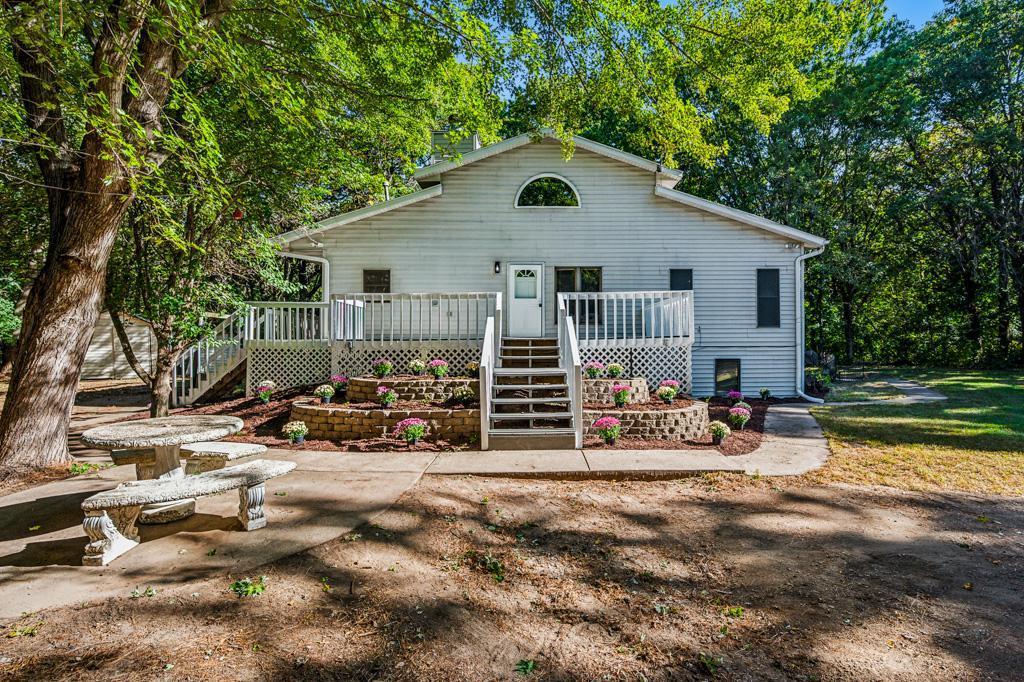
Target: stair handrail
{"type": "Point", "coordinates": [569, 360]}
{"type": "Point", "coordinates": [487, 357]}
{"type": "Point", "coordinates": [220, 348]}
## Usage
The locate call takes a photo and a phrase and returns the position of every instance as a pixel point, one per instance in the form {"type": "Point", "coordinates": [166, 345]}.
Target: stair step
{"type": "Point", "coordinates": [529, 371]}
{"type": "Point", "coordinates": [528, 401]}
{"type": "Point", "coordinates": [521, 416]}
{"type": "Point", "coordinates": [530, 387]}
{"type": "Point", "coordinates": [533, 350]}
{"type": "Point", "coordinates": [539, 431]}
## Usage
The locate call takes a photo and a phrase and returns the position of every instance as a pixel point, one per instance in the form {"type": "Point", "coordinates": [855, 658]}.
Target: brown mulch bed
{"type": "Point", "coordinates": [738, 443]}
{"type": "Point", "coordinates": [263, 424]}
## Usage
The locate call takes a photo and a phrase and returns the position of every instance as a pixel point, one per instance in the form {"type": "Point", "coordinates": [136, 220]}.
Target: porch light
{"type": "Point", "coordinates": [497, 267]}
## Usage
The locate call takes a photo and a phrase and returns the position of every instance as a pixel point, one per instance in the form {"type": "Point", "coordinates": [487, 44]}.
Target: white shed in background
{"type": "Point", "coordinates": [106, 359]}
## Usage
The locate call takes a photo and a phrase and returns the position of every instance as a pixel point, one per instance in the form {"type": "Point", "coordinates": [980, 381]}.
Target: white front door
{"type": "Point", "coordinates": [525, 299]}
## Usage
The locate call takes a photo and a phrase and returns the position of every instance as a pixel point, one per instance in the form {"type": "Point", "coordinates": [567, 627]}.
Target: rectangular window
{"type": "Point", "coordinates": [768, 297]}
{"type": "Point", "coordinates": [680, 279]}
{"type": "Point", "coordinates": [568, 280]}
{"type": "Point", "coordinates": [727, 376]}
{"type": "Point", "coordinates": [377, 281]}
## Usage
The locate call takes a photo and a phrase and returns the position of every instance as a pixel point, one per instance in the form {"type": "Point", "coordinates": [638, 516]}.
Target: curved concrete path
{"type": "Point", "coordinates": [326, 496]}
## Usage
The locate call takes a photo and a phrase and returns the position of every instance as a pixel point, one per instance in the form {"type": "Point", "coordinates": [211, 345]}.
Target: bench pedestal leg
{"type": "Point", "coordinates": [111, 534]}
{"type": "Point", "coordinates": [250, 507]}
{"type": "Point", "coordinates": [167, 464]}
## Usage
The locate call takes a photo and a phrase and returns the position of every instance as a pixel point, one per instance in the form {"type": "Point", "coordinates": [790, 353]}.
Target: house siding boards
{"type": "Point", "coordinates": [450, 243]}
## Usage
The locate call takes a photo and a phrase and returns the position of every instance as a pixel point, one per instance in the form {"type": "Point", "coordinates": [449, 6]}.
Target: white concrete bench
{"type": "Point", "coordinates": [210, 456]}
{"type": "Point", "coordinates": [110, 516]}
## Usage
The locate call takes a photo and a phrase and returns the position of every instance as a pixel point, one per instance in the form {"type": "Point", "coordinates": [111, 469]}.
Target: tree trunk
{"type": "Point", "coordinates": [160, 388]}
{"type": "Point", "coordinates": [973, 312]}
{"type": "Point", "coordinates": [56, 328]}
{"type": "Point", "coordinates": [848, 328]}
{"type": "Point", "coordinates": [1003, 311]}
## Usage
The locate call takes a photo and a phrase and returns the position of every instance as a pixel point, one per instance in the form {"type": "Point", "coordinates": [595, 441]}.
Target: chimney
{"type": "Point", "coordinates": [446, 144]}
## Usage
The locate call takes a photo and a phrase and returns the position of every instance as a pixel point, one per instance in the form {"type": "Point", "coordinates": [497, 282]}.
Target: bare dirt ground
{"type": "Point", "coordinates": [467, 579]}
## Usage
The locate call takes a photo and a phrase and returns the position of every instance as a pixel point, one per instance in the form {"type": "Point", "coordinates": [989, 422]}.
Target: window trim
{"type": "Point", "coordinates": [739, 375]}
{"type": "Point", "coordinates": [387, 270]}
{"type": "Point", "coordinates": [577, 271]}
{"type": "Point", "coordinates": [556, 176]}
{"type": "Point", "coordinates": [777, 298]}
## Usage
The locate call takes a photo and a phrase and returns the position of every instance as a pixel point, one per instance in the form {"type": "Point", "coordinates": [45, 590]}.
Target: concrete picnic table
{"type": "Point", "coordinates": [133, 441]}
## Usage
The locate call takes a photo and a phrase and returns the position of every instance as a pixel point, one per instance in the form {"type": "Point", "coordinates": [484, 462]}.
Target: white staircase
{"type": "Point", "coordinates": [213, 364]}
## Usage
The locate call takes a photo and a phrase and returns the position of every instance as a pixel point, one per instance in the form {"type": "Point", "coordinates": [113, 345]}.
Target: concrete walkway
{"type": "Point", "coordinates": [793, 445]}
{"type": "Point", "coordinates": [326, 496]}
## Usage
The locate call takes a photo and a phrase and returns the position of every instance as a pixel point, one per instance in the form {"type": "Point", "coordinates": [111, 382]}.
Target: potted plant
{"type": "Point", "coordinates": [438, 368]}
{"type": "Point", "coordinates": [608, 428]}
{"type": "Point", "coordinates": [386, 396]}
{"type": "Point", "coordinates": [463, 395]}
{"type": "Point", "coordinates": [738, 417]}
{"type": "Point", "coordinates": [417, 367]}
{"type": "Point", "coordinates": [264, 390]}
{"type": "Point", "coordinates": [734, 396]}
{"type": "Point", "coordinates": [340, 384]}
{"type": "Point", "coordinates": [614, 370]}
{"type": "Point", "coordinates": [325, 392]}
{"type": "Point", "coordinates": [666, 393]}
{"type": "Point", "coordinates": [744, 405]}
{"type": "Point", "coordinates": [296, 431]}
{"type": "Point", "coordinates": [381, 367]}
{"type": "Point", "coordinates": [472, 368]}
{"type": "Point", "coordinates": [411, 429]}
{"type": "Point", "coordinates": [593, 369]}
{"type": "Point", "coordinates": [765, 393]}
{"type": "Point", "coordinates": [620, 394]}
{"type": "Point", "coordinates": [719, 432]}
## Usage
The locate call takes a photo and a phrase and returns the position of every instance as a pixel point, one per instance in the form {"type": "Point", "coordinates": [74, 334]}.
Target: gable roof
{"type": "Point", "coordinates": [434, 170]}
{"type": "Point", "coordinates": [805, 238]}
{"type": "Point", "coordinates": [359, 214]}
{"type": "Point", "coordinates": [662, 188]}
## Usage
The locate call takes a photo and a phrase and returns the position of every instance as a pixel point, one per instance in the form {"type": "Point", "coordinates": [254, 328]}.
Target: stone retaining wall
{"type": "Point", "coordinates": [686, 423]}
{"type": "Point", "coordinates": [346, 423]}
{"type": "Point", "coordinates": [420, 389]}
{"type": "Point", "coordinates": [600, 390]}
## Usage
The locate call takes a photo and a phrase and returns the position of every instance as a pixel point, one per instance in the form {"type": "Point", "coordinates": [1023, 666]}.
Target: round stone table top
{"type": "Point", "coordinates": [161, 431]}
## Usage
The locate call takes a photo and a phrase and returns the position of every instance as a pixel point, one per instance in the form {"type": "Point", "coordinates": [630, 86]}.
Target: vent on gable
{"type": "Point", "coordinates": [446, 144]}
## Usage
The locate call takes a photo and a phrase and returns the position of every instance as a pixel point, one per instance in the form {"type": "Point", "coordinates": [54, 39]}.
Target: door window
{"type": "Point", "coordinates": [526, 283]}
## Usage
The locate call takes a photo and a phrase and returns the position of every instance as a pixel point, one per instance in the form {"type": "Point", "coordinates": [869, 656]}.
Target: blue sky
{"type": "Point", "coordinates": [915, 11]}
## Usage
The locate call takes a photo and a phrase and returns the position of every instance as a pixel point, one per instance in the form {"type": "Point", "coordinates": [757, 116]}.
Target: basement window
{"type": "Point", "coordinates": [727, 376]}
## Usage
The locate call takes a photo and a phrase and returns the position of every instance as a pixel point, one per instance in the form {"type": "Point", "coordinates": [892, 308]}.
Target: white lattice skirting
{"type": "Point", "coordinates": [288, 367]}
{"type": "Point", "coordinates": [654, 364]}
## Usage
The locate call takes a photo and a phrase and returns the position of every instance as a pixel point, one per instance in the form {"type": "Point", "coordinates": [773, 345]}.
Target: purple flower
{"type": "Point", "coordinates": [734, 395]}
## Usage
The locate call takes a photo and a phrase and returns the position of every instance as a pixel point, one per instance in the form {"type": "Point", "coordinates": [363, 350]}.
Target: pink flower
{"type": "Point", "coordinates": [437, 362]}
{"type": "Point", "coordinates": [671, 383]}
{"type": "Point", "coordinates": [339, 379]}
{"type": "Point", "coordinates": [740, 411]}
{"type": "Point", "coordinates": [593, 364]}
{"type": "Point", "coordinates": [619, 388]}
{"type": "Point", "coordinates": [607, 423]}
{"type": "Point", "coordinates": [401, 426]}
{"type": "Point", "coordinates": [381, 390]}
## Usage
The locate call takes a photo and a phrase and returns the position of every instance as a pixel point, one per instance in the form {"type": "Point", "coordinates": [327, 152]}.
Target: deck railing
{"type": "Point", "coordinates": [395, 319]}
{"type": "Point", "coordinates": [285, 323]}
{"type": "Point", "coordinates": [569, 359]}
{"type": "Point", "coordinates": [487, 360]}
{"type": "Point", "coordinates": [630, 318]}
{"type": "Point", "coordinates": [206, 361]}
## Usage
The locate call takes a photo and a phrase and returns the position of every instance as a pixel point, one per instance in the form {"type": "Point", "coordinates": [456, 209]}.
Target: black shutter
{"type": "Point", "coordinates": [768, 298]}
{"type": "Point", "coordinates": [680, 279]}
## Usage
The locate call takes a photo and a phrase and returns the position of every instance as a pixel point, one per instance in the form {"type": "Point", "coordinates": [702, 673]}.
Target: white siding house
{"type": "Point", "coordinates": [105, 358]}
{"type": "Point", "coordinates": [629, 223]}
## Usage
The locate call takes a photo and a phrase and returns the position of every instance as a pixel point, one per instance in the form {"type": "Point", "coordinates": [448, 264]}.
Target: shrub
{"type": "Point", "coordinates": [463, 395]}
{"type": "Point", "coordinates": [739, 416]}
{"type": "Point", "coordinates": [411, 429]}
{"type": "Point", "coordinates": [417, 366]}
{"type": "Point", "coordinates": [386, 396]}
{"type": "Point", "coordinates": [339, 382]}
{"type": "Point", "coordinates": [719, 430]}
{"type": "Point", "coordinates": [765, 393]}
{"type": "Point", "coordinates": [381, 367]}
{"type": "Point", "coordinates": [265, 389]}
{"type": "Point", "coordinates": [593, 369]}
{"type": "Point", "coordinates": [620, 394]}
{"type": "Point", "coordinates": [608, 428]}
{"type": "Point", "coordinates": [734, 395]}
{"type": "Point", "coordinates": [666, 393]}
{"type": "Point", "coordinates": [295, 430]}
{"type": "Point", "coordinates": [437, 367]}
{"type": "Point", "coordinates": [324, 391]}
{"type": "Point", "coordinates": [671, 383]}
{"type": "Point", "coordinates": [615, 370]}
{"type": "Point", "coordinates": [247, 587]}
{"type": "Point", "coordinates": [744, 405]}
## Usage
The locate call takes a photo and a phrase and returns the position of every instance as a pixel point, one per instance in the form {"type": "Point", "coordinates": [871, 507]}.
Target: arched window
{"type": "Point", "coordinates": [547, 190]}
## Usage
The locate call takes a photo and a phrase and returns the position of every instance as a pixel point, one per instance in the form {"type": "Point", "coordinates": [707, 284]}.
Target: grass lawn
{"type": "Point", "coordinates": [973, 442]}
{"type": "Point", "coordinates": [870, 385]}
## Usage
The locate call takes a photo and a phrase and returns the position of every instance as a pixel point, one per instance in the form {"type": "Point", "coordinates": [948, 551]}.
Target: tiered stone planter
{"type": "Point", "coordinates": [420, 389]}
{"type": "Point", "coordinates": [347, 423]}
{"type": "Point", "coordinates": [600, 390]}
{"type": "Point", "coordinates": [684, 423]}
